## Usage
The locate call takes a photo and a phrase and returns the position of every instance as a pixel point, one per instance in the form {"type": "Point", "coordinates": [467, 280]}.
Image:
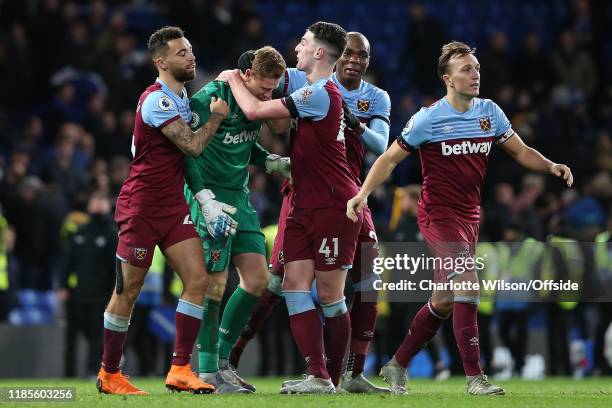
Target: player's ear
{"type": "Point", "coordinates": [447, 80]}
{"type": "Point", "coordinates": [160, 63]}
{"type": "Point", "coordinates": [319, 52]}
{"type": "Point", "coordinates": [247, 75]}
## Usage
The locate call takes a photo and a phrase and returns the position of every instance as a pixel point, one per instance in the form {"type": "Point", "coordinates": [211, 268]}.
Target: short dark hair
{"type": "Point", "coordinates": [331, 35]}
{"type": "Point", "coordinates": [158, 42]}
{"type": "Point", "coordinates": [449, 51]}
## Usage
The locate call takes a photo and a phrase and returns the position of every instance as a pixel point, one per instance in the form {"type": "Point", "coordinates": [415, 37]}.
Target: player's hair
{"type": "Point", "coordinates": [158, 42]}
{"type": "Point", "coordinates": [449, 51]}
{"type": "Point", "coordinates": [332, 36]}
{"type": "Point", "coordinates": [268, 63]}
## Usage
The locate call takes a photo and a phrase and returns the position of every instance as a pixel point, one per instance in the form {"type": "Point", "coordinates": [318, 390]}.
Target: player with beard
{"type": "Point", "coordinates": [366, 112]}
{"type": "Point", "coordinates": [151, 210]}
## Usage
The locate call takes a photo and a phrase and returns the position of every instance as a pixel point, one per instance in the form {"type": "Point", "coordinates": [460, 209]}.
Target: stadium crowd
{"type": "Point", "coordinates": [71, 72]}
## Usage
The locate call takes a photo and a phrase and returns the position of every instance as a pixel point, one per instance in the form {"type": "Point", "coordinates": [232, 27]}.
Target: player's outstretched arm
{"type": "Point", "coordinates": [380, 171]}
{"type": "Point", "coordinates": [530, 158]}
{"type": "Point", "coordinates": [253, 108]}
{"type": "Point", "coordinates": [192, 143]}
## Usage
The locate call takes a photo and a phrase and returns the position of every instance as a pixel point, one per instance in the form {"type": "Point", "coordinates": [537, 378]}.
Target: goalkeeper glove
{"type": "Point", "coordinates": [218, 222]}
{"type": "Point", "coordinates": [351, 120]}
{"type": "Point", "coordinates": [278, 164]}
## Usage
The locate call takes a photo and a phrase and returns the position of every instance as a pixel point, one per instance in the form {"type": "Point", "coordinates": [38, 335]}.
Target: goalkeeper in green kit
{"type": "Point", "coordinates": [217, 192]}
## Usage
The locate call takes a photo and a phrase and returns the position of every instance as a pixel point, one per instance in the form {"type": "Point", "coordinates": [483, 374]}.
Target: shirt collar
{"type": "Point", "coordinates": [166, 88]}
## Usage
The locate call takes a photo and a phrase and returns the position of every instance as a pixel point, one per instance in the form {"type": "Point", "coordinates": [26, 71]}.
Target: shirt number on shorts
{"type": "Point", "coordinates": [325, 250]}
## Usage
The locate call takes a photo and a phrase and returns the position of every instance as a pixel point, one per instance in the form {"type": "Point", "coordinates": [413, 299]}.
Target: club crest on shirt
{"type": "Point", "coordinates": [363, 105]}
{"type": "Point", "coordinates": [305, 95]}
{"type": "Point", "coordinates": [140, 253]}
{"type": "Point", "coordinates": [485, 124]}
{"type": "Point", "coordinates": [215, 255]}
{"type": "Point", "coordinates": [165, 103]}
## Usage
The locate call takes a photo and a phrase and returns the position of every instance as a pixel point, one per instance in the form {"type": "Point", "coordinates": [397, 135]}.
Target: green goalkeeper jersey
{"type": "Point", "coordinates": [224, 162]}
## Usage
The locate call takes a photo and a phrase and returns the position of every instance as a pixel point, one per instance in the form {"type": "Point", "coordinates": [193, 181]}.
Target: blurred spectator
{"type": "Point", "coordinates": [603, 151]}
{"type": "Point", "coordinates": [27, 212]}
{"type": "Point", "coordinates": [88, 277]}
{"type": "Point", "coordinates": [252, 36]}
{"type": "Point", "coordinates": [574, 68]}
{"type": "Point", "coordinates": [63, 169]}
{"type": "Point", "coordinates": [76, 50]}
{"type": "Point", "coordinates": [20, 69]}
{"type": "Point", "coordinates": [7, 241]}
{"type": "Point", "coordinates": [119, 171]}
{"type": "Point", "coordinates": [496, 63]}
{"type": "Point", "coordinates": [520, 256]}
{"type": "Point", "coordinates": [532, 68]}
{"type": "Point", "coordinates": [422, 43]}
{"type": "Point", "coordinates": [585, 21]}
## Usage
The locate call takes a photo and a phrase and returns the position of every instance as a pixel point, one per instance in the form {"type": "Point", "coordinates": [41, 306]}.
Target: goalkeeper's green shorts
{"type": "Point", "coordinates": [248, 238]}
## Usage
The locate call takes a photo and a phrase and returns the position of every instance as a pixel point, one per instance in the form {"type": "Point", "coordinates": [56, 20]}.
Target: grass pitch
{"type": "Point", "coordinates": [558, 392]}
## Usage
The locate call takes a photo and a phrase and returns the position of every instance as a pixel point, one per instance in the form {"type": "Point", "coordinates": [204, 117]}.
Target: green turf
{"type": "Point", "coordinates": [549, 393]}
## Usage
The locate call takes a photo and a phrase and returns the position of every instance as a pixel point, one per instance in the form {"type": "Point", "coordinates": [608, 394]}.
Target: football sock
{"type": "Point", "coordinates": [423, 328]}
{"type": "Point", "coordinates": [363, 322]}
{"type": "Point", "coordinates": [115, 333]}
{"type": "Point", "coordinates": [188, 319]}
{"type": "Point", "coordinates": [266, 303]}
{"type": "Point", "coordinates": [465, 327]}
{"type": "Point", "coordinates": [236, 314]}
{"type": "Point", "coordinates": [307, 330]}
{"type": "Point", "coordinates": [336, 333]}
{"type": "Point", "coordinates": [208, 337]}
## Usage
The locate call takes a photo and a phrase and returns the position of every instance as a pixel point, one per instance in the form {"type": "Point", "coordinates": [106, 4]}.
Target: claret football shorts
{"type": "Point", "coordinates": [143, 227]}
{"type": "Point", "coordinates": [325, 235]}
{"type": "Point", "coordinates": [448, 238]}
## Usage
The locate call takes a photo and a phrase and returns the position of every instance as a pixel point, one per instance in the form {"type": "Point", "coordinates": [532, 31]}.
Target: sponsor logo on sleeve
{"type": "Point", "coordinates": [164, 103]}
{"type": "Point", "coordinates": [507, 134]}
{"type": "Point", "coordinates": [408, 127]}
{"type": "Point", "coordinates": [305, 95]}
{"type": "Point", "coordinates": [195, 119]}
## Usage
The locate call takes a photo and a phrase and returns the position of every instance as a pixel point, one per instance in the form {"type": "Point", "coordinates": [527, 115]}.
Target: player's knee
{"type": "Point", "coordinates": [197, 284]}
{"type": "Point", "coordinates": [442, 307]}
{"type": "Point", "coordinates": [131, 288]}
{"type": "Point", "coordinates": [294, 283]}
{"type": "Point", "coordinates": [256, 282]}
{"type": "Point", "coordinates": [328, 294]}
{"type": "Point", "coordinates": [215, 290]}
